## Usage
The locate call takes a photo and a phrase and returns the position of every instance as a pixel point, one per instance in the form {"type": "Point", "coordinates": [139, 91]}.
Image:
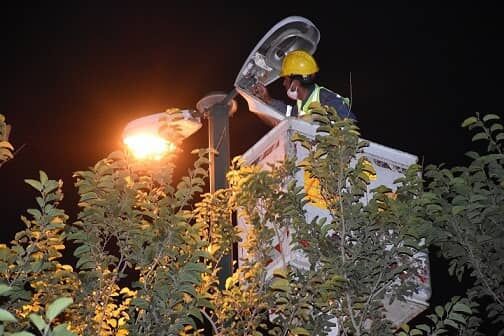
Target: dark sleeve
{"type": "Point", "coordinates": [330, 98]}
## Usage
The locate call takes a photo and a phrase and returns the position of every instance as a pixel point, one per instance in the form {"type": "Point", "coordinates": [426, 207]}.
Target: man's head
{"type": "Point", "coordinates": [298, 70]}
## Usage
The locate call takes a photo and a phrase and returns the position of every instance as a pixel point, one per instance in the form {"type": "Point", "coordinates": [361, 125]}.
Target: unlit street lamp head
{"type": "Point", "coordinates": [153, 136]}
{"type": "Point", "coordinates": [206, 103]}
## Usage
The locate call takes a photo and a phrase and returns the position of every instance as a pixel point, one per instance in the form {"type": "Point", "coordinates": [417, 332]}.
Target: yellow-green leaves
{"type": "Point", "coordinates": [280, 284]}
{"type": "Point", "coordinates": [6, 148]}
{"type": "Point", "coordinates": [300, 331]}
{"type": "Point", "coordinates": [281, 272]}
{"type": "Point", "coordinates": [469, 121]}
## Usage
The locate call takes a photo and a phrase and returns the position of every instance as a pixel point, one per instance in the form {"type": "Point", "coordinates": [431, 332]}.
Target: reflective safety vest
{"type": "Point", "coordinates": [314, 97]}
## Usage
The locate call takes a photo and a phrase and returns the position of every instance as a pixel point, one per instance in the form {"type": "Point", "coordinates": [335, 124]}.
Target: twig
{"type": "Point", "coordinates": [212, 323]}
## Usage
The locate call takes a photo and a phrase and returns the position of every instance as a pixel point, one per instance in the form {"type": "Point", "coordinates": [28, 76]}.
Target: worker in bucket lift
{"type": "Point", "coordinates": [298, 71]}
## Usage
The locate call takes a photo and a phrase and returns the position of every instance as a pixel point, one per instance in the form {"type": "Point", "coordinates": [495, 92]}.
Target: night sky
{"type": "Point", "coordinates": [74, 76]}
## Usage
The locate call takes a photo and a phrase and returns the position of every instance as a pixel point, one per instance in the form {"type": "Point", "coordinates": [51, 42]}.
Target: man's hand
{"type": "Point", "coordinates": [260, 91]}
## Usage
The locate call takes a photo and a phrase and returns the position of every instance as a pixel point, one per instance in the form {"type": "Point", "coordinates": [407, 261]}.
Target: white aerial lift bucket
{"type": "Point", "coordinates": [389, 164]}
{"type": "Point", "coordinates": [263, 65]}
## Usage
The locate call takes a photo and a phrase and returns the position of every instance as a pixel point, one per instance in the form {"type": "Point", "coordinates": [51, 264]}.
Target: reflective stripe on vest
{"type": "Point", "coordinates": [314, 97]}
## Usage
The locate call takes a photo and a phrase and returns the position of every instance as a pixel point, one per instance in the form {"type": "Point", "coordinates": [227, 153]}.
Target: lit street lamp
{"type": "Point", "coordinates": [144, 139]}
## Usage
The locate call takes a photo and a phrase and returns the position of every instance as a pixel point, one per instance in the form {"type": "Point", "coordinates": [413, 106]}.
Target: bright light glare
{"type": "Point", "coordinates": [148, 146]}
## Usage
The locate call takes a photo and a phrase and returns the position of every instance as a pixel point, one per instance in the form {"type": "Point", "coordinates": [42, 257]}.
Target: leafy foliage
{"type": "Point", "coordinates": [147, 248]}
{"type": "Point", "coordinates": [363, 251]}
{"type": "Point", "coordinates": [133, 219]}
{"type": "Point", "coordinates": [452, 316]}
{"type": "Point", "coordinates": [5, 146]}
{"type": "Point", "coordinates": [466, 211]}
{"type": "Point", "coordinates": [29, 269]}
{"type": "Point", "coordinates": [255, 301]}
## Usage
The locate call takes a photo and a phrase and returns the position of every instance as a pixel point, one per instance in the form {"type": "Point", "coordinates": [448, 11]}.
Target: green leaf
{"type": "Point", "coordinates": [35, 213]}
{"type": "Point", "coordinates": [381, 189]}
{"type": "Point", "coordinates": [62, 330]}
{"type": "Point", "coordinates": [196, 313]}
{"type": "Point", "coordinates": [480, 136]}
{"type": "Point", "coordinates": [22, 333]}
{"type": "Point", "coordinates": [451, 323]}
{"type": "Point", "coordinates": [457, 317]}
{"type": "Point", "coordinates": [460, 307]}
{"type": "Point", "coordinates": [324, 129]}
{"type": "Point", "coordinates": [439, 311]}
{"type": "Point", "coordinates": [416, 332]}
{"type": "Point", "coordinates": [43, 177]}
{"type": "Point", "coordinates": [81, 250]}
{"type": "Point", "coordinates": [472, 154]}
{"type": "Point", "coordinates": [39, 322]}
{"type": "Point", "coordinates": [4, 289]}
{"type": "Point", "coordinates": [57, 307]}
{"type": "Point", "coordinates": [300, 331]}
{"type": "Point", "coordinates": [490, 117]}
{"type": "Point", "coordinates": [201, 268]}
{"type": "Point", "coordinates": [280, 284]}
{"type": "Point", "coordinates": [6, 316]}
{"type": "Point", "coordinates": [458, 209]}
{"type": "Point", "coordinates": [423, 327]}
{"type": "Point", "coordinates": [86, 261]}
{"type": "Point", "coordinates": [189, 277]}
{"type": "Point", "coordinates": [200, 302]}
{"type": "Point", "coordinates": [35, 184]}
{"type": "Point", "coordinates": [500, 137]}
{"type": "Point", "coordinates": [496, 127]}
{"type": "Point", "coordinates": [189, 290]}
{"type": "Point", "coordinates": [469, 121]}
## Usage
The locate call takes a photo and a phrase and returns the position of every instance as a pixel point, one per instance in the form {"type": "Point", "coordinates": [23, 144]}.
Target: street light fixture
{"type": "Point", "coordinates": [148, 139]}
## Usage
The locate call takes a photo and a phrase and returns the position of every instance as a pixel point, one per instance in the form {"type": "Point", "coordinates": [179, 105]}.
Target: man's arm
{"type": "Point", "coordinates": [262, 93]}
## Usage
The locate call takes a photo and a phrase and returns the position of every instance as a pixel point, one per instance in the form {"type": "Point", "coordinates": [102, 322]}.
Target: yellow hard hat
{"type": "Point", "coordinates": [298, 62]}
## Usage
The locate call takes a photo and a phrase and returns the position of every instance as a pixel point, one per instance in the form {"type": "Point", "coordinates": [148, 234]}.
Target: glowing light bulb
{"type": "Point", "coordinates": [148, 146]}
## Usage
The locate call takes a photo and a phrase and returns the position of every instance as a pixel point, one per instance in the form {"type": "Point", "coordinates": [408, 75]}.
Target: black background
{"type": "Point", "coordinates": [74, 75]}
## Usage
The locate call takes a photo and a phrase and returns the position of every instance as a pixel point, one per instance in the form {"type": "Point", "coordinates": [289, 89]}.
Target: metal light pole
{"type": "Point", "coordinates": [218, 107]}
